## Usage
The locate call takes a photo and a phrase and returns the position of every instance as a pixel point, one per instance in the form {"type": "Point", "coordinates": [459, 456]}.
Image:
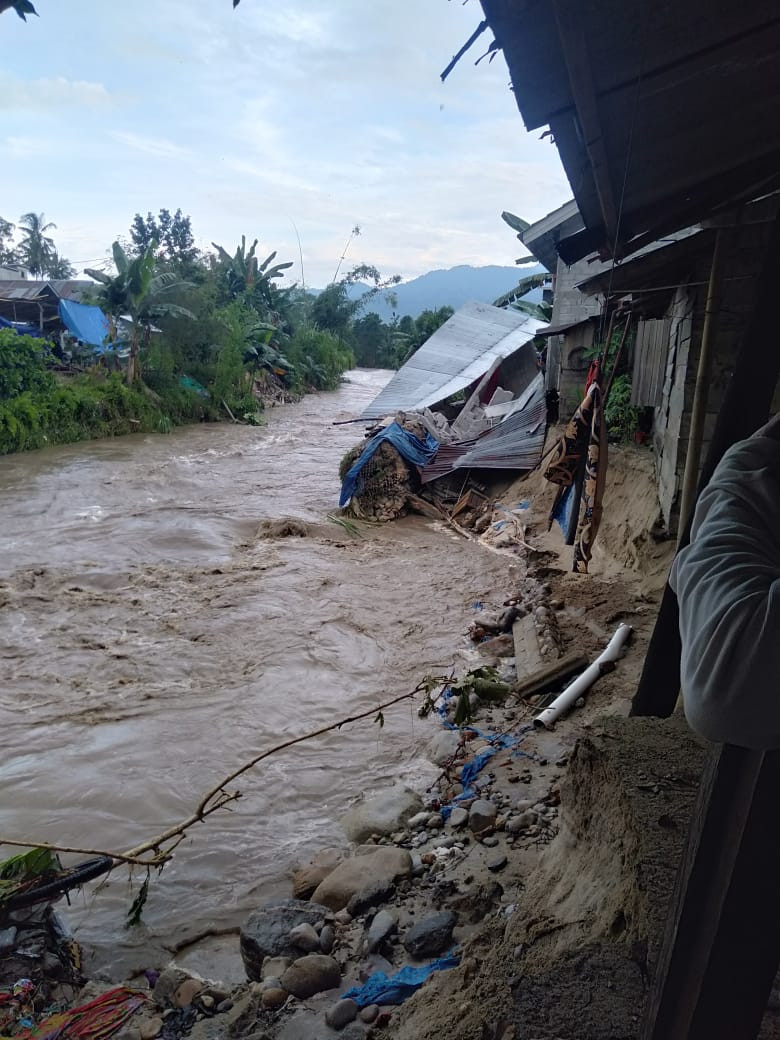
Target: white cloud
{"type": "Point", "coordinates": [159, 147]}
{"type": "Point", "coordinates": [46, 94]}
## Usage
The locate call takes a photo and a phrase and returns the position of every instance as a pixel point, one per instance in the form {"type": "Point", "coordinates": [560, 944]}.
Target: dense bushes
{"type": "Point", "coordinates": [38, 407]}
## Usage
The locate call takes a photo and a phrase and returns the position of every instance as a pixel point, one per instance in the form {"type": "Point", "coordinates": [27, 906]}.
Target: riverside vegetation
{"type": "Point", "coordinates": [210, 334]}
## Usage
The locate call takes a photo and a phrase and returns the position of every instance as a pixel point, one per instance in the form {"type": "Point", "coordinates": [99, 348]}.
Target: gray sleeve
{"type": "Point", "coordinates": [727, 583]}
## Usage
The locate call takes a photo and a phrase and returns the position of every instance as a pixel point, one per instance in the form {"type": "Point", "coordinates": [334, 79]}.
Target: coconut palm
{"type": "Point", "coordinates": [139, 291]}
{"type": "Point", "coordinates": [36, 248]}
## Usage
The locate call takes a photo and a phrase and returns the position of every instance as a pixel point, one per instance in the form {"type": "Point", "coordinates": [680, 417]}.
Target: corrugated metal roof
{"type": "Point", "coordinates": [516, 443]}
{"type": "Point", "coordinates": [27, 289]}
{"type": "Point", "coordinates": [459, 352]}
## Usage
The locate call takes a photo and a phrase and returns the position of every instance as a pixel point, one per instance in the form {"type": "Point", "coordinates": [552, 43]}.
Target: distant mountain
{"type": "Point", "coordinates": [452, 288]}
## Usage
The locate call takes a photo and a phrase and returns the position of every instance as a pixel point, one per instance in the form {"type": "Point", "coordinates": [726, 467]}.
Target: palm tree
{"type": "Point", "coordinates": [139, 291]}
{"type": "Point", "coordinates": [36, 247]}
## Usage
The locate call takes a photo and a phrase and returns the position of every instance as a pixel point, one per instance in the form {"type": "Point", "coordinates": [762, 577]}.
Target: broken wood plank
{"type": "Point", "coordinates": [419, 505]}
{"type": "Point", "coordinates": [551, 676]}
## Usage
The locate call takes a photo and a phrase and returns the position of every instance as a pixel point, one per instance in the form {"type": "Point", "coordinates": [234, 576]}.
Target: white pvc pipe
{"type": "Point", "coordinates": [605, 662]}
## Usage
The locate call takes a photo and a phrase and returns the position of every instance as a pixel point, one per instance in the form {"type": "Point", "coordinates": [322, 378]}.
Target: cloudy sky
{"type": "Point", "coordinates": [325, 113]}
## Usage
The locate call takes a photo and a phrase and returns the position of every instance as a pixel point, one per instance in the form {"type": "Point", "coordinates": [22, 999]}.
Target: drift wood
{"type": "Point", "coordinates": [546, 679]}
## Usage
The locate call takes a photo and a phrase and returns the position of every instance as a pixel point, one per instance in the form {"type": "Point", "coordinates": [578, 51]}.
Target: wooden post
{"type": "Point", "coordinates": [746, 406]}
{"type": "Point", "coordinates": [702, 391]}
{"type": "Point", "coordinates": [722, 943]}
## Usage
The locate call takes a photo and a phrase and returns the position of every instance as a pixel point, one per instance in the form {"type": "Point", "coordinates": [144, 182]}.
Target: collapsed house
{"type": "Point", "coordinates": [472, 398]}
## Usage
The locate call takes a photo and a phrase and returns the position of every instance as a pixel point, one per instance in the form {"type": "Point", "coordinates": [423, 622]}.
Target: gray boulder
{"type": "Point", "coordinates": [266, 932]}
{"type": "Point", "coordinates": [443, 746]}
{"type": "Point", "coordinates": [363, 878]}
{"type": "Point", "coordinates": [430, 936]}
{"type": "Point", "coordinates": [311, 974]}
{"type": "Point", "coordinates": [382, 813]}
{"type": "Point", "coordinates": [306, 879]}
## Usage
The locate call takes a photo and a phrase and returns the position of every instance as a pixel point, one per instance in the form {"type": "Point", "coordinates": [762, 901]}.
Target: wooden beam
{"type": "Point", "coordinates": [575, 54]}
{"type": "Point", "coordinates": [551, 677]}
{"type": "Point", "coordinates": [722, 943]}
{"type": "Point", "coordinates": [746, 405]}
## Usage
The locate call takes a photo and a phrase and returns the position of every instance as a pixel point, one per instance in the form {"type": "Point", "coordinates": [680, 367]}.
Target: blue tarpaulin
{"type": "Point", "coordinates": [418, 452]}
{"type": "Point", "coordinates": [20, 327]}
{"type": "Point", "coordinates": [89, 324]}
{"type": "Point", "coordinates": [394, 989]}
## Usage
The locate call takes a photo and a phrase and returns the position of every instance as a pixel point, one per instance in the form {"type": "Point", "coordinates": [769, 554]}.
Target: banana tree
{"type": "Point", "coordinates": [139, 291]}
{"type": "Point", "coordinates": [523, 287]}
{"type": "Point", "coordinates": [244, 274]}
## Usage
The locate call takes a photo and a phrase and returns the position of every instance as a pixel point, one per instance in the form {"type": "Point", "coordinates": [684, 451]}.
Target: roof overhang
{"type": "Point", "coordinates": [662, 113]}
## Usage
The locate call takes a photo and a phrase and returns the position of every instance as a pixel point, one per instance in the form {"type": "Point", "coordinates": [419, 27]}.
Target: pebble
{"type": "Point", "coordinates": [274, 998]}
{"type": "Point", "coordinates": [149, 1029]}
{"type": "Point", "coordinates": [341, 1014]}
{"type": "Point", "coordinates": [497, 863]}
{"type": "Point", "coordinates": [482, 814]}
{"type": "Point", "coordinates": [223, 1006]}
{"type": "Point", "coordinates": [431, 935]}
{"type": "Point", "coordinates": [368, 1014]}
{"type": "Point", "coordinates": [383, 926]}
{"type": "Point", "coordinates": [342, 918]}
{"type": "Point", "coordinates": [327, 938]}
{"type": "Point", "coordinates": [490, 841]}
{"type": "Point", "coordinates": [435, 821]}
{"type": "Point", "coordinates": [207, 1002]}
{"type": "Point", "coordinates": [270, 983]}
{"type": "Point", "coordinates": [305, 938]}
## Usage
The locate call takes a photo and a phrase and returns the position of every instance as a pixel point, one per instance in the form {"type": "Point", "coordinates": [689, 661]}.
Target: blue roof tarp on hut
{"type": "Point", "coordinates": [21, 327]}
{"type": "Point", "coordinates": [89, 324]}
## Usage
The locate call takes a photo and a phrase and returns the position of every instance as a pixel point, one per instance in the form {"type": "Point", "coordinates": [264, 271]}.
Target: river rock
{"type": "Point", "coordinates": [418, 820]}
{"type": "Point", "coordinates": [341, 1014]}
{"type": "Point", "coordinates": [383, 926]}
{"type": "Point", "coordinates": [482, 814]}
{"type": "Point", "coordinates": [363, 877]}
{"type": "Point", "coordinates": [306, 879]}
{"type": "Point", "coordinates": [490, 841]}
{"type": "Point", "coordinates": [304, 937]}
{"type": "Point", "coordinates": [327, 938]}
{"type": "Point", "coordinates": [443, 746]}
{"type": "Point", "coordinates": [497, 863]}
{"type": "Point", "coordinates": [435, 821]}
{"type": "Point", "coordinates": [150, 1028]}
{"type": "Point", "coordinates": [311, 974]}
{"type": "Point", "coordinates": [275, 967]}
{"type": "Point", "coordinates": [266, 932]}
{"type": "Point", "coordinates": [274, 998]}
{"type": "Point", "coordinates": [187, 991]}
{"type": "Point", "coordinates": [369, 1014]}
{"type": "Point", "coordinates": [430, 936]}
{"type": "Point", "coordinates": [459, 817]}
{"type": "Point", "coordinates": [382, 813]}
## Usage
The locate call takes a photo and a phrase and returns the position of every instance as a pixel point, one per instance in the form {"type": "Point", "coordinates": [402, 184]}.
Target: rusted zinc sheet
{"type": "Point", "coordinates": [456, 355]}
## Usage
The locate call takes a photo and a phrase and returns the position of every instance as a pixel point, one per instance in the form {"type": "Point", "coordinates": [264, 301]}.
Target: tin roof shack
{"type": "Point", "coordinates": [37, 302]}
{"type": "Point", "coordinates": [666, 287]}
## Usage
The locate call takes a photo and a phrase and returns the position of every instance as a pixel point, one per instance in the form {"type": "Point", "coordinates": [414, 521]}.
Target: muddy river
{"type": "Point", "coordinates": [153, 636]}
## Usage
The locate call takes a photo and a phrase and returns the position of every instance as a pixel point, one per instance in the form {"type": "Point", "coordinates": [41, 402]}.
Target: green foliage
{"type": "Point", "coordinates": [382, 345]}
{"type": "Point", "coordinates": [19, 871]}
{"type": "Point", "coordinates": [136, 910]}
{"type": "Point", "coordinates": [24, 364]}
{"type": "Point", "coordinates": [36, 250]}
{"type": "Point", "coordinates": [621, 417]}
{"type": "Point", "coordinates": [25, 7]}
{"type": "Point", "coordinates": [319, 358]}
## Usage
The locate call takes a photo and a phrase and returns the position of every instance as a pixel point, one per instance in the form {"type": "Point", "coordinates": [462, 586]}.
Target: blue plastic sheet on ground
{"type": "Point", "coordinates": [394, 989]}
{"type": "Point", "coordinates": [418, 452]}
{"type": "Point", "coordinates": [21, 327]}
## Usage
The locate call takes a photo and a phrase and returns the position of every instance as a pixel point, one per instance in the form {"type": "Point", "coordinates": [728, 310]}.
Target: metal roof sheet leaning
{"type": "Point", "coordinates": [456, 355]}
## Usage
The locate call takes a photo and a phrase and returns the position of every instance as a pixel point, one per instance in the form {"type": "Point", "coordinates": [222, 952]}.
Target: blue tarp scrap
{"type": "Point", "coordinates": [21, 327]}
{"type": "Point", "coordinates": [418, 452]}
{"type": "Point", "coordinates": [394, 989]}
{"type": "Point", "coordinates": [89, 324]}
{"type": "Point", "coordinates": [564, 507]}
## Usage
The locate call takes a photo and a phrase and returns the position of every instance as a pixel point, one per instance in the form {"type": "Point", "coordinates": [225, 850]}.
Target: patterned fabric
{"type": "Point", "coordinates": [565, 461]}
{"type": "Point", "coordinates": [99, 1019]}
{"type": "Point", "coordinates": [593, 490]}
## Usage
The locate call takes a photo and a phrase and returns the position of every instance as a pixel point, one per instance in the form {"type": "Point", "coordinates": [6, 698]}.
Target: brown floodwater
{"type": "Point", "coordinates": [153, 636]}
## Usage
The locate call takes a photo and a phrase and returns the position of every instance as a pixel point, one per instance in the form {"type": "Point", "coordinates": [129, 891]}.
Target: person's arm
{"type": "Point", "coordinates": [728, 589]}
